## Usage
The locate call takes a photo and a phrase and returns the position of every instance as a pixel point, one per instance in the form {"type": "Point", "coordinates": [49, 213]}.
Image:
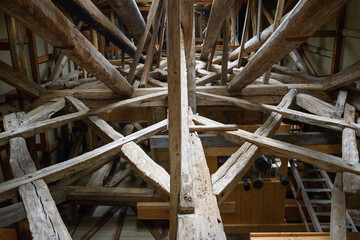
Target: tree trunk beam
{"type": "Point", "coordinates": [219, 10]}
{"type": "Point", "coordinates": [306, 17]}
{"type": "Point", "coordinates": [46, 20]}
{"type": "Point", "coordinates": [18, 80]}
{"type": "Point", "coordinates": [44, 219]}
{"type": "Point", "coordinates": [347, 76]}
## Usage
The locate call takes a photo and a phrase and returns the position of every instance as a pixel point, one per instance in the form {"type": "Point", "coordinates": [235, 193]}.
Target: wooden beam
{"type": "Point", "coordinates": [311, 14]}
{"type": "Point", "coordinates": [98, 156]}
{"type": "Point", "coordinates": [60, 32]}
{"type": "Point", "coordinates": [338, 210]}
{"type": "Point", "coordinates": [152, 48]}
{"type": "Point", "coordinates": [340, 21]}
{"type": "Point", "coordinates": [142, 41]}
{"type": "Point", "coordinates": [317, 50]}
{"type": "Point", "coordinates": [18, 80]}
{"type": "Point", "coordinates": [219, 10]}
{"type": "Point", "coordinates": [178, 119]}
{"type": "Point", "coordinates": [340, 103]}
{"type": "Point", "coordinates": [224, 62]}
{"type": "Point", "coordinates": [351, 182]}
{"type": "Point", "coordinates": [346, 76]}
{"type": "Point", "coordinates": [44, 219]}
{"type": "Point", "coordinates": [245, 32]}
{"type": "Point", "coordinates": [335, 124]}
{"type": "Point", "coordinates": [45, 111]}
{"type": "Point", "coordinates": [187, 20]}
{"type": "Point", "coordinates": [315, 105]}
{"type": "Point", "coordinates": [324, 161]}
{"type": "Point", "coordinates": [94, 18]}
{"type": "Point", "coordinates": [39, 127]}
{"type": "Point", "coordinates": [130, 15]}
{"type": "Point", "coordinates": [139, 161]}
{"type": "Point", "coordinates": [229, 174]}
{"type": "Point", "coordinates": [206, 220]}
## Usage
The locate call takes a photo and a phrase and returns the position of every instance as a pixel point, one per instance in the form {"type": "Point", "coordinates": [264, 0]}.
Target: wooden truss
{"type": "Point", "coordinates": [194, 194]}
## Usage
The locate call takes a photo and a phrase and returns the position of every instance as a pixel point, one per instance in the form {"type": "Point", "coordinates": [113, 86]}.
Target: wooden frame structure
{"type": "Point", "coordinates": [182, 86]}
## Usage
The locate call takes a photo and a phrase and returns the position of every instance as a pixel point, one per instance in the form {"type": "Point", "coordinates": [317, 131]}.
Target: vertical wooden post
{"type": "Point", "coordinates": [244, 33]}
{"type": "Point", "coordinates": [340, 20]}
{"type": "Point", "coordinates": [174, 89]}
{"type": "Point", "coordinates": [33, 56]}
{"type": "Point", "coordinates": [187, 19]}
{"type": "Point", "coordinates": [224, 62]}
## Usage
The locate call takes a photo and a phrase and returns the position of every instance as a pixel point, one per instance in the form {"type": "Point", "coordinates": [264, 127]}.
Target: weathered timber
{"type": "Point", "coordinates": [347, 76]}
{"type": "Point", "coordinates": [229, 174]}
{"type": "Point", "coordinates": [219, 10]}
{"type": "Point", "coordinates": [178, 119]}
{"type": "Point", "coordinates": [39, 127]}
{"type": "Point", "coordinates": [214, 76]}
{"type": "Point", "coordinates": [100, 155]}
{"type": "Point", "coordinates": [139, 161]}
{"type": "Point", "coordinates": [324, 161]}
{"type": "Point", "coordinates": [45, 111]}
{"type": "Point", "coordinates": [338, 210]}
{"type": "Point", "coordinates": [46, 20]}
{"type": "Point", "coordinates": [305, 18]}
{"type": "Point", "coordinates": [200, 128]}
{"type": "Point", "coordinates": [92, 16]}
{"type": "Point", "coordinates": [145, 33]}
{"type": "Point", "coordinates": [187, 20]}
{"type": "Point", "coordinates": [245, 32]}
{"type": "Point", "coordinates": [317, 50]}
{"type": "Point", "coordinates": [340, 103]}
{"type": "Point", "coordinates": [152, 48]}
{"type": "Point", "coordinates": [18, 80]}
{"type": "Point", "coordinates": [335, 124]}
{"type": "Point", "coordinates": [44, 219]}
{"type": "Point", "coordinates": [206, 219]}
{"type": "Point", "coordinates": [351, 182]}
{"type": "Point", "coordinates": [315, 105]}
{"type": "Point", "coordinates": [129, 15]}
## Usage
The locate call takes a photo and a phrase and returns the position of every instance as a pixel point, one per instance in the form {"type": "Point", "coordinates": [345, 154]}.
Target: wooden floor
{"type": "Point", "coordinates": [133, 228]}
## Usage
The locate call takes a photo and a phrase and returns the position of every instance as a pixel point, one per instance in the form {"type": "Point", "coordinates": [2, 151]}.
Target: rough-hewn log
{"type": "Point", "coordinates": [18, 80]}
{"type": "Point", "coordinates": [351, 182]}
{"type": "Point", "coordinates": [130, 15]}
{"type": "Point", "coordinates": [98, 156]}
{"type": "Point", "coordinates": [46, 20]}
{"type": "Point", "coordinates": [92, 16]}
{"type": "Point", "coordinates": [44, 219]}
{"type": "Point", "coordinates": [306, 17]}
{"type": "Point", "coordinates": [338, 210]}
{"type": "Point", "coordinates": [219, 10]}
{"type": "Point", "coordinates": [347, 76]}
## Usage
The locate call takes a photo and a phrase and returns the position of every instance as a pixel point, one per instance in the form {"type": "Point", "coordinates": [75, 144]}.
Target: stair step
{"type": "Point", "coordinates": [317, 190]}
{"type": "Point", "coordinates": [320, 201]}
{"type": "Point", "coordinates": [313, 180]}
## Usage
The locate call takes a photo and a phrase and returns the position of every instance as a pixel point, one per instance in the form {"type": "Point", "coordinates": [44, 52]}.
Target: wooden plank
{"type": "Point", "coordinates": [219, 10]}
{"type": "Point", "coordinates": [142, 41]}
{"type": "Point", "coordinates": [44, 219]}
{"type": "Point", "coordinates": [187, 20]}
{"type": "Point", "coordinates": [18, 80]}
{"type": "Point", "coordinates": [60, 32]}
{"type": "Point", "coordinates": [331, 123]}
{"type": "Point", "coordinates": [324, 161]}
{"type": "Point", "coordinates": [139, 161]}
{"type": "Point", "coordinates": [311, 14]}
{"type": "Point", "coordinates": [98, 156]}
{"type": "Point", "coordinates": [244, 34]}
{"type": "Point", "coordinates": [152, 48]}
{"type": "Point", "coordinates": [224, 62]}
{"type": "Point", "coordinates": [315, 105]}
{"type": "Point", "coordinates": [45, 111]}
{"type": "Point", "coordinates": [340, 103]}
{"type": "Point", "coordinates": [351, 182]}
{"type": "Point", "coordinates": [178, 121]}
{"type": "Point", "coordinates": [346, 76]}
{"type": "Point", "coordinates": [39, 127]}
{"type": "Point", "coordinates": [317, 50]}
{"type": "Point", "coordinates": [338, 210]}
{"type": "Point", "coordinates": [229, 174]}
{"type": "Point", "coordinates": [206, 220]}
